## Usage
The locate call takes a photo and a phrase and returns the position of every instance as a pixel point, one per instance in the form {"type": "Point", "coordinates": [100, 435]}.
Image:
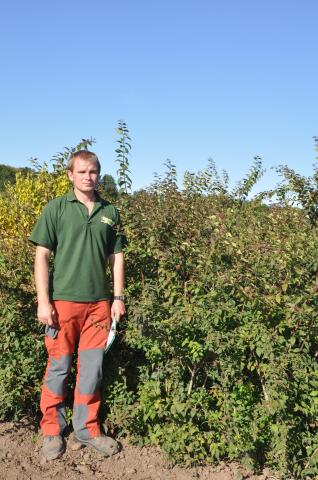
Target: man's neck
{"type": "Point", "coordinates": [85, 197]}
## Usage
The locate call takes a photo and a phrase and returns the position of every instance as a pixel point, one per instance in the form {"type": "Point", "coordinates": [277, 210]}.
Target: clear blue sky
{"type": "Point", "coordinates": [193, 79]}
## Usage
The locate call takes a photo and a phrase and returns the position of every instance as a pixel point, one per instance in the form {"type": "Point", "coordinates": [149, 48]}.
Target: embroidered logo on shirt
{"type": "Point", "coordinates": [107, 220]}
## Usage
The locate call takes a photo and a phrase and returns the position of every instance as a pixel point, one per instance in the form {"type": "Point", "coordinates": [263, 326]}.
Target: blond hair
{"type": "Point", "coordinates": [83, 155]}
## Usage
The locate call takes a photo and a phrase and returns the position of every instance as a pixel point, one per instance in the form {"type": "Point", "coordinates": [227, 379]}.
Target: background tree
{"type": "Point", "coordinates": [108, 187]}
{"type": "Point", "coordinates": [8, 173]}
{"type": "Point", "coordinates": [123, 150]}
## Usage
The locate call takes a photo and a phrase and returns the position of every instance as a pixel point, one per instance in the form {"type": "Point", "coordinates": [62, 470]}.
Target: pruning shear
{"type": "Point", "coordinates": [111, 335]}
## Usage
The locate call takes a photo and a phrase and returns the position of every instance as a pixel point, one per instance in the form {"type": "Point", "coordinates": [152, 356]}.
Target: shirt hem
{"type": "Point", "coordinates": [81, 299]}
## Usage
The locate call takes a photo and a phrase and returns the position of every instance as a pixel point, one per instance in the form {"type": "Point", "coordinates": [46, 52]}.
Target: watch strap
{"type": "Point", "coordinates": [119, 297]}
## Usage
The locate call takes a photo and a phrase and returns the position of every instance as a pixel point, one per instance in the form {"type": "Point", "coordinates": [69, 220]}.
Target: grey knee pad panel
{"type": "Point", "coordinates": [91, 370]}
{"type": "Point", "coordinates": [57, 374]}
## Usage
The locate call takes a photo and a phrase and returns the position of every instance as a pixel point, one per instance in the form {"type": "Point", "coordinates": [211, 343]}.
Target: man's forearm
{"type": "Point", "coordinates": [116, 261]}
{"type": "Point", "coordinates": [41, 274]}
{"type": "Point", "coordinates": [46, 313]}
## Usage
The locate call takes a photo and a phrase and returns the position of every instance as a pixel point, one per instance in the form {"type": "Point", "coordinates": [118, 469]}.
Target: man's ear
{"type": "Point", "coordinates": [70, 175]}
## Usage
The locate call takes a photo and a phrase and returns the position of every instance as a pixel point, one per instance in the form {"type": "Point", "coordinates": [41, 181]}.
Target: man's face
{"type": "Point", "coordinates": [84, 175]}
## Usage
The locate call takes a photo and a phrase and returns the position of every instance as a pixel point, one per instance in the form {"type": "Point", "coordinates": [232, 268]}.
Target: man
{"type": "Point", "coordinates": [83, 232]}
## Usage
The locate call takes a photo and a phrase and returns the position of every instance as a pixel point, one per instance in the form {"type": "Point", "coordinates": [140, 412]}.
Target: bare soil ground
{"type": "Point", "coordinates": [21, 459]}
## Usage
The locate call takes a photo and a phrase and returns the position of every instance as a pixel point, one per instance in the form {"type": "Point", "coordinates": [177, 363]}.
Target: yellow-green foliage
{"type": "Point", "coordinates": [20, 205]}
{"type": "Point", "coordinates": [22, 202]}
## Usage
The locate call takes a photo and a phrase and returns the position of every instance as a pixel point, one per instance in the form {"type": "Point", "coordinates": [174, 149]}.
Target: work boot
{"type": "Point", "coordinates": [53, 447]}
{"type": "Point", "coordinates": [102, 444]}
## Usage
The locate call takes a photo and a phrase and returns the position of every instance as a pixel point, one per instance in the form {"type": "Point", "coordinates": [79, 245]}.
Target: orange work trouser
{"type": "Point", "coordinates": [88, 325]}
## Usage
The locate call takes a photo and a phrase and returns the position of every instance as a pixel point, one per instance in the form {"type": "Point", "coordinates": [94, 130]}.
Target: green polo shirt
{"type": "Point", "coordinates": [81, 244]}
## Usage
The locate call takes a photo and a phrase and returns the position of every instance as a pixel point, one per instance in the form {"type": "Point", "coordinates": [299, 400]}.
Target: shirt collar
{"type": "Point", "coordinates": [71, 197]}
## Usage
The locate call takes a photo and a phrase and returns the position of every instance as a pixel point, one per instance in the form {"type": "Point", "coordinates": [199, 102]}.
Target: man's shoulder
{"type": "Point", "coordinates": [56, 202]}
{"type": "Point", "coordinates": [54, 206]}
{"type": "Point", "coordinates": [108, 207]}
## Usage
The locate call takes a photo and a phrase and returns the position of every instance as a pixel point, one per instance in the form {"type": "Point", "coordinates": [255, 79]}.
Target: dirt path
{"type": "Point", "coordinates": [20, 459]}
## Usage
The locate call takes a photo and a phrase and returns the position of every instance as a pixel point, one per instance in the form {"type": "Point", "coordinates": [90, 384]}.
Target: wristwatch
{"type": "Point", "coordinates": [119, 297]}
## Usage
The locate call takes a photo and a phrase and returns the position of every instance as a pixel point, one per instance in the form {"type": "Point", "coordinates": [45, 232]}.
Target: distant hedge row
{"type": "Point", "coordinates": [217, 357]}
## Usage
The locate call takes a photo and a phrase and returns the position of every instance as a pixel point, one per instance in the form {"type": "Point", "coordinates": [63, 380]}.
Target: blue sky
{"type": "Point", "coordinates": [193, 79]}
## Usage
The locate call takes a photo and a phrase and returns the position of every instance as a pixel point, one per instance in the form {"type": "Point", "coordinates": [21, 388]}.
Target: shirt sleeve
{"type": "Point", "coordinates": [117, 239]}
{"type": "Point", "coordinates": [44, 231]}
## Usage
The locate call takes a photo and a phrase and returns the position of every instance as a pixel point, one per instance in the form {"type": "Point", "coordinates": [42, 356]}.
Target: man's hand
{"type": "Point", "coordinates": [117, 309]}
{"type": "Point", "coordinates": [46, 314]}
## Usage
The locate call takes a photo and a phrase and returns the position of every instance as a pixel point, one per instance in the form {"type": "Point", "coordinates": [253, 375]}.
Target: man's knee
{"type": "Point", "coordinates": [91, 370]}
{"type": "Point", "coordinates": [57, 374]}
